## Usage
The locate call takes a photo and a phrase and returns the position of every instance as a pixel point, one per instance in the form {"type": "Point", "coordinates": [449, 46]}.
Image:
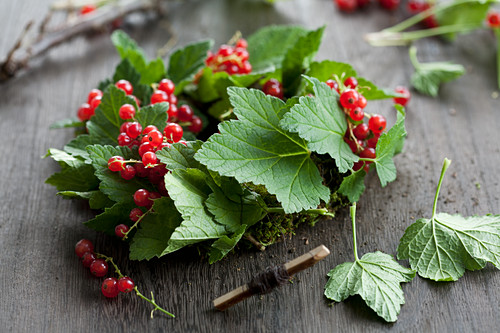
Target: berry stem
{"type": "Point", "coordinates": [353, 219]}
{"type": "Point", "coordinates": [319, 211]}
{"type": "Point", "coordinates": [446, 164]}
{"type": "Point", "coordinates": [137, 222]}
{"type": "Point", "coordinates": [366, 159]}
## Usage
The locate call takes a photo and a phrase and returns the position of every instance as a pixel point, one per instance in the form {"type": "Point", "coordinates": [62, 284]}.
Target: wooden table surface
{"type": "Point", "coordinates": [44, 288]}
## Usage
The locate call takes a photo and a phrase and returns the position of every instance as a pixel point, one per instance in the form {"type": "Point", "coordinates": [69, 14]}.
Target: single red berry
{"type": "Point", "coordinates": [125, 86]}
{"type": "Point", "coordinates": [121, 230]}
{"type": "Point", "coordinates": [85, 112]}
{"type": "Point", "coordinates": [242, 43]}
{"type": "Point", "coordinates": [126, 284]}
{"type": "Point", "coordinates": [225, 50]}
{"type": "Point", "coordinates": [95, 102]}
{"type": "Point", "coordinates": [356, 114]}
{"type": "Point", "coordinates": [163, 145]}
{"type": "Point", "coordinates": [141, 197]}
{"type": "Point", "coordinates": [99, 267]}
{"type": "Point", "coordinates": [135, 214]}
{"type": "Point", "coordinates": [242, 53]}
{"type": "Point", "coordinates": [134, 129]}
{"type": "Point", "coordinates": [173, 113]}
{"type": "Point", "coordinates": [167, 86]}
{"type": "Point", "coordinates": [185, 113]}
{"type": "Point", "coordinates": [173, 132]}
{"type": "Point", "coordinates": [362, 3]}
{"type": "Point", "coordinates": [493, 19]}
{"type": "Point", "coordinates": [372, 142]}
{"type": "Point", "coordinates": [83, 246]}
{"type": "Point", "coordinates": [127, 111]}
{"type": "Point", "coordinates": [351, 82]}
{"type": "Point", "coordinates": [246, 67]}
{"type": "Point", "coordinates": [157, 173]}
{"type": "Point", "coordinates": [368, 153]}
{"type": "Point", "coordinates": [116, 163]}
{"type": "Point", "coordinates": [149, 159]}
{"type": "Point", "coordinates": [349, 98]}
{"type": "Point", "coordinates": [358, 165]}
{"type": "Point", "coordinates": [430, 21]}
{"type": "Point", "coordinates": [172, 99]}
{"type": "Point", "coordinates": [87, 9]}
{"type": "Point", "coordinates": [124, 139]}
{"type": "Point", "coordinates": [128, 172]}
{"type": "Point", "coordinates": [377, 123]}
{"type": "Point", "coordinates": [274, 88]}
{"type": "Point", "coordinates": [389, 4]}
{"type": "Point", "coordinates": [149, 128]}
{"type": "Point", "coordinates": [140, 170]}
{"type": "Point", "coordinates": [196, 125]}
{"type": "Point", "coordinates": [362, 102]}
{"type": "Point", "coordinates": [403, 100]}
{"type": "Point", "coordinates": [352, 144]}
{"type": "Point", "coordinates": [88, 258]}
{"type": "Point", "coordinates": [346, 5]}
{"type": "Point", "coordinates": [124, 127]}
{"type": "Point", "coordinates": [109, 287]}
{"type": "Point", "coordinates": [93, 94]}
{"type": "Point", "coordinates": [416, 6]}
{"type": "Point", "coordinates": [333, 84]}
{"type": "Point", "coordinates": [361, 131]}
{"type": "Point", "coordinates": [145, 147]}
{"type": "Point", "coordinates": [155, 138]}
{"type": "Point", "coordinates": [159, 96]}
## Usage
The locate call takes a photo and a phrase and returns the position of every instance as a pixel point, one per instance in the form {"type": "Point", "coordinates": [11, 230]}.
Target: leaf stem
{"type": "Point", "coordinates": [353, 219]}
{"type": "Point", "coordinates": [446, 164]}
{"type": "Point", "coordinates": [412, 52]}
{"type": "Point", "coordinates": [319, 211]}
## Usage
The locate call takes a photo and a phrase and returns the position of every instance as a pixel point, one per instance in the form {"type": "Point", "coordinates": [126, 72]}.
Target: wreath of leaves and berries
{"type": "Point", "coordinates": [227, 145]}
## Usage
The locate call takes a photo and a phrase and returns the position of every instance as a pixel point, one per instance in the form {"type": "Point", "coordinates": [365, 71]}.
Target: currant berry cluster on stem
{"type": "Point", "coordinates": [111, 287]}
{"type": "Point", "coordinates": [232, 59]}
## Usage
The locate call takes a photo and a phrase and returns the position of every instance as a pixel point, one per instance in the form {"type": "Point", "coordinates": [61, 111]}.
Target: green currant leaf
{"type": "Point", "coordinates": [104, 126]}
{"type": "Point", "coordinates": [78, 147]}
{"type": "Point", "coordinates": [428, 77]}
{"type": "Point", "coordinates": [112, 184]}
{"type": "Point", "coordinates": [111, 217]}
{"type": "Point", "coordinates": [376, 277]}
{"type": "Point", "coordinates": [372, 92]}
{"type": "Point", "coordinates": [75, 175]}
{"type": "Point", "coordinates": [298, 58]}
{"type": "Point", "coordinates": [353, 185]}
{"type": "Point", "coordinates": [155, 230]}
{"type": "Point", "coordinates": [221, 247]}
{"type": "Point", "coordinates": [321, 122]}
{"type": "Point", "coordinates": [189, 190]}
{"type": "Point", "coordinates": [186, 62]}
{"type": "Point", "coordinates": [463, 13]}
{"type": "Point", "coordinates": [255, 149]}
{"type": "Point", "coordinates": [389, 144]}
{"type": "Point", "coordinates": [328, 69]}
{"type": "Point", "coordinates": [97, 199]}
{"type": "Point", "coordinates": [179, 156]}
{"type": "Point", "coordinates": [267, 47]}
{"type": "Point", "coordinates": [67, 123]}
{"type": "Point", "coordinates": [64, 159]}
{"type": "Point", "coordinates": [155, 114]}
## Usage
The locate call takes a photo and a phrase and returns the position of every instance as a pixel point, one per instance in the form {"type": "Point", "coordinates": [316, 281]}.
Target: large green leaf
{"type": "Point", "coordinates": [321, 122]}
{"type": "Point", "coordinates": [353, 185]}
{"type": "Point", "coordinates": [97, 199]}
{"type": "Point", "coordinates": [255, 149]}
{"type": "Point", "coordinates": [111, 217]}
{"type": "Point", "coordinates": [221, 247]}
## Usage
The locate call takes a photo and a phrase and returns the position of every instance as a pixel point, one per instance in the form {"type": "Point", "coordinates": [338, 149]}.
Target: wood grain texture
{"type": "Point", "coordinates": [43, 288]}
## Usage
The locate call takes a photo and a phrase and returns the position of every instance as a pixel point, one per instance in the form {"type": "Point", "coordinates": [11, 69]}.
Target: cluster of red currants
{"type": "Point", "coordinates": [230, 59]}
{"type": "Point", "coordinates": [362, 137]}
{"type": "Point", "coordinates": [111, 286]}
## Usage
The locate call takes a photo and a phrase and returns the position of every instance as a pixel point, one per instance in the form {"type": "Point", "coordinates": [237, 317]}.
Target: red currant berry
{"type": "Point", "coordinates": [351, 82]}
{"type": "Point", "coordinates": [246, 67]}
{"type": "Point", "coordinates": [167, 86]}
{"type": "Point", "coordinates": [333, 84]}
{"type": "Point", "coordinates": [361, 131]}
{"type": "Point", "coordinates": [242, 43]}
{"type": "Point", "coordinates": [88, 258]}
{"type": "Point", "coordinates": [173, 132]}
{"type": "Point", "coordinates": [126, 284]}
{"type": "Point", "coordinates": [135, 214]}
{"type": "Point", "coordinates": [353, 145]}
{"type": "Point", "coordinates": [155, 138]}
{"type": "Point", "coordinates": [134, 129]}
{"type": "Point", "coordinates": [93, 94]}
{"type": "Point", "coordinates": [149, 159]}
{"type": "Point", "coordinates": [125, 86]}
{"type": "Point", "coordinates": [149, 128]}
{"type": "Point", "coordinates": [172, 99]}
{"type": "Point", "coordinates": [94, 103]}
{"type": "Point", "coordinates": [362, 102]}
{"type": "Point", "coordinates": [85, 112]}
{"type": "Point", "coordinates": [226, 50]}
{"type": "Point", "coordinates": [185, 113]}
{"type": "Point", "coordinates": [430, 21]}
{"type": "Point", "coordinates": [154, 196]}
{"type": "Point", "coordinates": [83, 246]}
{"type": "Point", "coordinates": [99, 267]}
{"type": "Point", "coordinates": [403, 100]}
{"type": "Point", "coordinates": [145, 147]}
{"type": "Point", "coordinates": [274, 88]}
{"type": "Point", "coordinates": [87, 9]}
{"type": "Point", "coordinates": [128, 172]}
{"type": "Point", "coordinates": [196, 125]}
{"type": "Point", "coordinates": [141, 197]}
{"type": "Point", "coordinates": [362, 3]}
{"type": "Point", "coordinates": [377, 123]}
{"type": "Point", "coordinates": [109, 287]}
{"type": "Point", "coordinates": [493, 19]}
{"type": "Point", "coordinates": [389, 4]}
{"type": "Point", "coordinates": [358, 165]}
{"type": "Point", "coordinates": [159, 96]}
{"type": "Point", "coordinates": [140, 170]}
{"type": "Point", "coordinates": [124, 139]}
{"type": "Point", "coordinates": [372, 142]}
{"type": "Point", "coordinates": [368, 153]}
{"type": "Point", "coordinates": [121, 230]}
{"type": "Point", "coordinates": [416, 6]}
{"type": "Point", "coordinates": [157, 173]}
{"type": "Point", "coordinates": [116, 163]}
{"type": "Point", "coordinates": [349, 98]}
{"type": "Point", "coordinates": [127, 111]}
{"type": "Point", "coordinates": [242, 53]}
{"type": "Point", "coordinates": [124, 126]}
{"type": "Point", "coordinates": [356, 114]}
{"type": "Point", "coordinates": [346, 5]}
{"type": "Point", "coordinates": [163, 145]}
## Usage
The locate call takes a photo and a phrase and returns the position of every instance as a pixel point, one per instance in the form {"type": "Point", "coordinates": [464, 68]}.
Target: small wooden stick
{"type": "Point", "coordinates": [292, 267]}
